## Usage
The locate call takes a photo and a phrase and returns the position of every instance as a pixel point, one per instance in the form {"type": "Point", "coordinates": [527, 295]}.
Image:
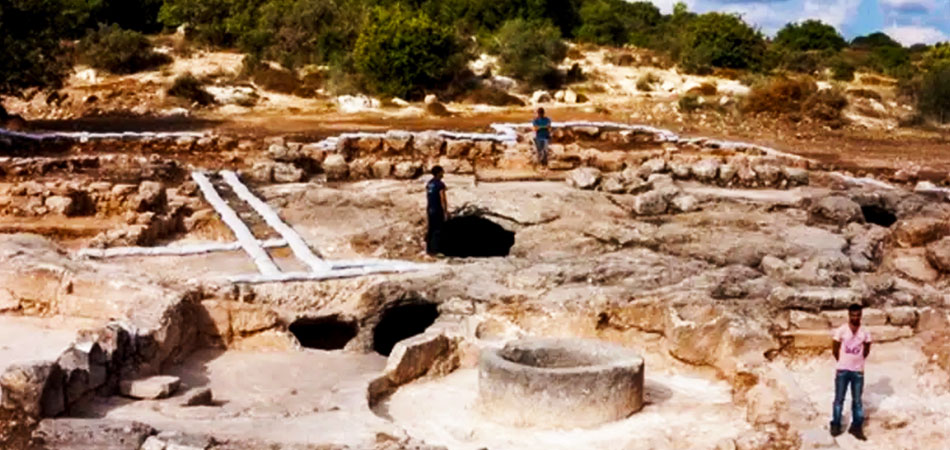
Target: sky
{"type": "Point", "coordinates": [907, 21]}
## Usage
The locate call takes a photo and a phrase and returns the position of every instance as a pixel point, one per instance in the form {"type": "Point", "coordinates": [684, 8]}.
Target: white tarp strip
{"type": "Point", "coordinates": [87, 135]}
{"type": "Point", "coordinates": [394, 267]}
{"type": "Point", "coordinates": [300, 248]}
{"type": "Point", "coordinates": [182, 250]}
{"type": "Point", "coordinates": [864, 181]}
{"type": "Point", "coordinates": [244, 236]}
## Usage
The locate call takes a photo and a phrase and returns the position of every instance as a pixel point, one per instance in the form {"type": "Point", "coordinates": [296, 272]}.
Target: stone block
{"type": "Point", "coordinates": [808, 321]}
{"type": "Point", "coordinates": [37, 389]}
{"type": "Point", "coordinates": [150, 388]}
{"type": "Point", "coordinates": [197, 397]}
{"type": "Point", "coordinates": [902, 316]}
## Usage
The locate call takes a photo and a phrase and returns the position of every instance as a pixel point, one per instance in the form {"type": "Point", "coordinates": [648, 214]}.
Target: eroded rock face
{"type": "Point", "coordinates": [836, 210]}
{"type": "Point", "coordinates": [584, 178]}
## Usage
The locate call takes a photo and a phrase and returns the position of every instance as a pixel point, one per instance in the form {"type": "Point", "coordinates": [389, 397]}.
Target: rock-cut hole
{"type": "Point", "coordinates": [324, 333]}
{"type": "Point", "coordinates": [400, 322]}
{"type": "Point", "coordinates": [475, 236]}
{"type": "Point", "coordinates": [878, 215]}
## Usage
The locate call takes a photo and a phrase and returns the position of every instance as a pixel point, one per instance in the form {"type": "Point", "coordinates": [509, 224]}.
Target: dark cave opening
{"type": "Point", "coordinates": [878, 215]}
{"type": "Point", "coordinates": [324, 333]}
{"type": "Point", "coordinates": [402, 321]}
{"type": "Point", "coordinates": [475, 236]}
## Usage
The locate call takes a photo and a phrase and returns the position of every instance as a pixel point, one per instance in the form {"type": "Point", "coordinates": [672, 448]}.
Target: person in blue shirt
{"type": "Point", "coordinates": [542, 136]}
{"type": "Point", "coordinates": [437, 210]}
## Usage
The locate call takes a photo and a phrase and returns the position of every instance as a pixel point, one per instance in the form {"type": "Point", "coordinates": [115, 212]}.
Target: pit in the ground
{"type": "Point", "coordinates": [402, 321]}
{"type": "Point", "coordinates": [878, 215]}
{"type": "Point", "coordinates": [475, 236]}
{"type": "Point", "coordinates": [324, 333]}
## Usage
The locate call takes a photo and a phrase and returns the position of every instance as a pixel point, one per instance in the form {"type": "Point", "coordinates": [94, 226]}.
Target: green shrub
{"type": "Point", "coordinates": [646, 81]}
{"type": "Point", "coordinates": [933, 97]}
{"type": "Point", "coordinates": [809, 35]}
{"type": "Point", "coordinates": [188, 87]}
{"type": "Point", "coordinates": [690, 103]}
{"type": "Point", "coordinates": [529, 51]}
{"type": "Point", "coordinates": [936, 55]}
{"type": "Point", "coordinates": [721, 40]}
{"type": "Point", "coordinates": [807, 62]}
{"type": "Point", "coordinates": [401, 52]}
{"type": "Point", "coordinates": [119, 51]}
{"type": "Point", "coordinates": [842, 70]}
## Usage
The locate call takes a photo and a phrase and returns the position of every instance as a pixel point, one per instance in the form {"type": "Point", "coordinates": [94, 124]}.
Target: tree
{"type": "Point", "coordinates": [217, 22]}
{"type": "Point", "coordinates": [31, 54]}
{"type": "Point", "coordinates": [873, 40]}
{"type": "Point", "coordinates": [529, 51]}
{"type": "Point", "coordinates": [612, 22]}
{"type": "Point", "coordinates": [400, 52]}
{"type": "Point", "coordinates": [933, 99]}
{"type": "Point", "coordinates": [809, 35]}
{"type": "Point", "coordinates": [721, 40]}
{"type": "Point", "coordinates": [301, 32]}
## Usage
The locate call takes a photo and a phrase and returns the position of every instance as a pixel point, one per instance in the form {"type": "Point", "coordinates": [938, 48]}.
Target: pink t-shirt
{"type": "Point", "coordinates": [851, 356]}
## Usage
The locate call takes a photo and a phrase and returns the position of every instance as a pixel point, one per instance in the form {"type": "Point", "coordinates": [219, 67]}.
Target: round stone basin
{"type": "Point", "coordinates": [559, 383]}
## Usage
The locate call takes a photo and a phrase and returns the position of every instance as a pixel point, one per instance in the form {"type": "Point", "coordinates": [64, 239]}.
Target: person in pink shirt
{"type": "Point", "coordinates": [851, 347]}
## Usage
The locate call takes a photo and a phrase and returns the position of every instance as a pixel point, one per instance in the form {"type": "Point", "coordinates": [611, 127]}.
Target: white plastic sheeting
{"type": "Point", "coordinates": [349, 272]}
{"type": "Point", "coordinates": [84, 136]}
{"type": "Point", "coordinates": [182, 250]}
{"type": "Point", "coordinates": [243, 234]}
{"type": "Point", "coordinates": [300, 248]}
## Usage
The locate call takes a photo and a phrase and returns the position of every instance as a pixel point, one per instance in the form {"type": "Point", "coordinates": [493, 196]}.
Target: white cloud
{"type": "Point", "coordinates": [911, 5]}
{"type": "Point", "coordinates": [911, 34]}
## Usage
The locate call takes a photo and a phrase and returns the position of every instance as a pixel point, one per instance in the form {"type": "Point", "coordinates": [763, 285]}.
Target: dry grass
{"type": "Point", "coordinates": [865, 93]}
{"type": "Point", "coordinates": [796, 100]}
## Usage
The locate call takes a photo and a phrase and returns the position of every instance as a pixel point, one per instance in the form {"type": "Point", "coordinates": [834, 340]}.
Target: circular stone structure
{"type": "Point", "coordinates": [559, 383]}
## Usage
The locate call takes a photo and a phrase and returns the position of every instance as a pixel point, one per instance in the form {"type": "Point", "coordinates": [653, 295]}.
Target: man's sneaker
{"type": "Point", "coordinates": [835, 430]}
{"type": "Point", "coordinates": [858, 434]}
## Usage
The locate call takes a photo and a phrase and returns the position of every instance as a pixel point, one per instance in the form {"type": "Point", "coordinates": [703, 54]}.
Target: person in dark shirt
{"type": "Point", "coordinates": [437, 210]}
{"type": "Point", "coordinates": [542, 136]}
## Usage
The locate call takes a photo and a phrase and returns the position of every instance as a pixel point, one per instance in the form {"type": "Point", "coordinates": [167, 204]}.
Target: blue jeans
{"type": "Point", "coordinates": [842, 379]}
{"type": "Point", "coordinates": [541, 144]}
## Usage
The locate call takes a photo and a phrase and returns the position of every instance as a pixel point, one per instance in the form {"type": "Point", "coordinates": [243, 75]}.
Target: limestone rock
{"type": "Point", "coordinates": [837, 210]}
{"type": "Point", "coordinates": [727, 172]}
{"type": "Point", "coordinates": [613, 183]}
{"type": "Point", "coordinates": [34, 388]}
{"type": "Point", "coordinates": [335, 167]}
{"type": "Point", "coordinates": [814, 299]}
{"type": "Point", "coordinates": [261, 172]}
{"type": "Point", "coordinates": [197, 397]}
{"type": "Point", "coordinates": [382, 168]}
{"type": "Point", "coordinates": [685, 203]}
{"type": "Point", "coordinates": [650, 203]}
{"type": "Point", "coordinates": [284, 153]}
{"type": "Point", "coordinates": [706, 170]}
{"type": "Point", "coordinates": [417, 356]}
{"type": "Point", "coordinates": [150, 388]}
{"type": "Point", "coordinates": [540, 97]}
{"type": "Point", "coordinates": [795, 176]}
{"type": "Point", "coordinates": [407, 170]}
{"type": "Point", "coordinates": [287, 173]}
{"type": "Point", "coordinates": [867, 246]}
{"type": "Point", "coordinates": [902, 316]}
{"type": "Point", "coordinates": [60, 205]}
{"type": "Point", "coordinates": [102, 434]}
{"type": "Point", "coordinates": [912, 263]}
{"type": "Point", "coordinates": [458, 148]}
{"type": "Point", "coordinates": [150, 197]}
{"type": "Point", "coordinates": [938, 253]}
{"type": "Point", "coordinates": [919, 231]}
{"type": "Point", "coordinates": [584, 177]}
{"type": "Point", "coordinates": [655, 165]}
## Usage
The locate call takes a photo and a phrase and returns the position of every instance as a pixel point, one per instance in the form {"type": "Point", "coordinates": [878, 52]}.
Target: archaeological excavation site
{"type": "Point", "coordinates": [212, 290]}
